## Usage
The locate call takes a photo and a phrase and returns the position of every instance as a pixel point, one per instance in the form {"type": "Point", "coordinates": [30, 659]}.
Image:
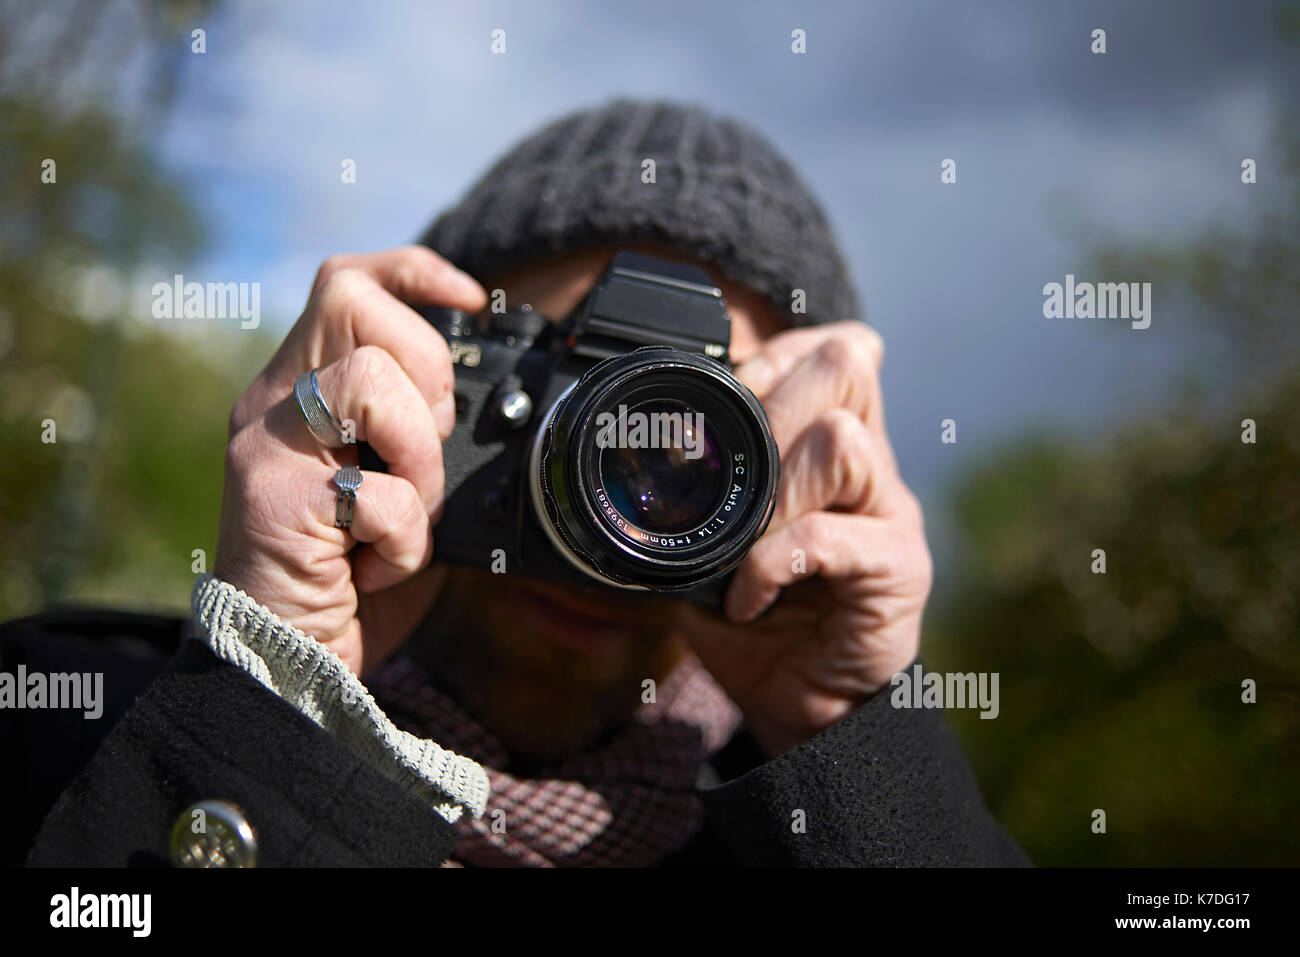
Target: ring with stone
{"type": "Point", "coordinates": [347, 480]}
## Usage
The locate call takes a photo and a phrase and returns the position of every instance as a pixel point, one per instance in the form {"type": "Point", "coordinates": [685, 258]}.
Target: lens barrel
{"type": "Point", "coordinates": [656, 470]}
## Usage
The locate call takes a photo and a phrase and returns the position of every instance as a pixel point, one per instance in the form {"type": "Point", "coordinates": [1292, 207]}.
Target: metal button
{"type": "Point", "coordinates": [213, 834]}
{"type": "Point", "coordinates": [515, 408]}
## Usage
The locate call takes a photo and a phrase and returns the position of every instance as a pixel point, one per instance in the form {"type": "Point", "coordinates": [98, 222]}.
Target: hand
{"type": "Point", "coordinates": [846, 543]}
{"type": "Point", "coordinates": [386, 369]}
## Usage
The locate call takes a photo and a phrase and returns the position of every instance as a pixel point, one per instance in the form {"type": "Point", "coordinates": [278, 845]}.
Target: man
{"type": "Point", "coordinates": [505, 720]}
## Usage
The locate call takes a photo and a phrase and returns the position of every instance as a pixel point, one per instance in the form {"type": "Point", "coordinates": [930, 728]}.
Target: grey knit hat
{"type": "Point", "coordinates": [721, 193]}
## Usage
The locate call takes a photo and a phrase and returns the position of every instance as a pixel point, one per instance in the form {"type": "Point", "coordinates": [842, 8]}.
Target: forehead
{"type": "Point", "coordinates": [554, 286]}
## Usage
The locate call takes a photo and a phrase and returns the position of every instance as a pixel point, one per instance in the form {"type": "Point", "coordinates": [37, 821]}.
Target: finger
{"type": "Point", "coordinates": [840, 373]}
{"type": "Point", "coordinates": [384, 620]}
{"type": "Point", "coordinates": [826, 544]}
{"type": "Point", "coordinates": [351, 307]}
{"type": "Point", "coordinates": [834, 463]}
{"type": "Point", "coordinates": [389, 517]}
{"type": "Point", "coordinates": [369, 388]}
{"type": "Point", "coordinates": [352, 310]}
{"type": "Point", "coordinates": [414, 274]}
{"type": "Point", "coordinates": [783, 352]}
{"type": "Point", "coordinates": [392, 615]}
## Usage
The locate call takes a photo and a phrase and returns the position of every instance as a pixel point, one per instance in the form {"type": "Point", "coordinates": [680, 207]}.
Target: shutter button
{"type": "Point", "coordinates": [213, 834]}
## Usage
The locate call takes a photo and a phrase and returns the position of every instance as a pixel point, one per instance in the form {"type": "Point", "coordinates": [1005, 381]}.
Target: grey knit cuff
{"type": "Point", "coordinates": [313, 679]}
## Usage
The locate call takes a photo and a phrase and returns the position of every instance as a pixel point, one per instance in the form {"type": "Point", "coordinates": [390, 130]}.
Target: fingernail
{"type": "Point", "coordinates": [444, 415]}
{"type": "Point", "coordinates": [756, 374]}
{"type": "Point", "coordinates": [467, 282]}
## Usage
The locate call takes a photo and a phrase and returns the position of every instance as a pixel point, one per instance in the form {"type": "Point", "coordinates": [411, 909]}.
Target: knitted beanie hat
{"type": "Point", "coordinates": [719, 192]}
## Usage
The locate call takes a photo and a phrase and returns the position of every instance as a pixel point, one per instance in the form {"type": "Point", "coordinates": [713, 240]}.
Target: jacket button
{"type": "Point", "coordinates": [213, 834]}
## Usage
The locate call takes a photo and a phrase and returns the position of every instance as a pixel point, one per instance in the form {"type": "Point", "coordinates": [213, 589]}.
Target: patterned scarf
{"type": "Point", "coordinates": [628, 803]}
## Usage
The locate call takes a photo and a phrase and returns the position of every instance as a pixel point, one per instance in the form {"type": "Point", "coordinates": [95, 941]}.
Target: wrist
{"type": "Point", "coordinates": [775, 737]}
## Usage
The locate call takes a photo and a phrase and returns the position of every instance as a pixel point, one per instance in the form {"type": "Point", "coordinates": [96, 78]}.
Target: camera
{"type": "Point", "coordinates": [613, 446]}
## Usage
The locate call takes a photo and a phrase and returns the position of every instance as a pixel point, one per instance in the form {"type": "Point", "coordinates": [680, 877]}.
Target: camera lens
{"type": "Point", "coordinates": [656, 470]}
{"type": "Point", "coordinates": [672, 485]}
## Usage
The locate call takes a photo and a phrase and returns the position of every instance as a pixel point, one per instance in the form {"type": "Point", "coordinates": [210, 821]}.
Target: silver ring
{"type": "Point", "coordinates": [347, 480]}
{"type": "Point", "coordinates": [323, 423]}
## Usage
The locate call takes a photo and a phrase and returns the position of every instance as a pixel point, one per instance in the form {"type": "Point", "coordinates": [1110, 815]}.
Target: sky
{"type": "Point", "coordinates": [1055, 148]}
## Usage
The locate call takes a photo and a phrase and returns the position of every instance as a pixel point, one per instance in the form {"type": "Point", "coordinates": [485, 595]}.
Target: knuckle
{"type": "Point", "coordinates": [420, 257]}
{"type": "Point", "coordinates": [836, 354]}
{"type": "Point", "coordinates": [328, 268]}
{"type": "Point", "coordinates": [248, 407]}
{"type": "Point", "coordinates": [368, 370]}
{"type": "Point", "coordinates": [239, 416]}
{"type": "Point", "coordinates": [848, 445]}
{"type": "Point", "coordinates": [845, 434]}
{"type": "Point", "coordinates": [914, 558]}
{"type": "Point", "coordinates": [413, 514]}
{"type": "Point", "coordinates": [877, 343]}
{"type": "Point", "coordinates": [241, 452]}
{"type": "Point", "coordinates": [415, 267]}
{"type": "Point", "coordinates": [926, 566]}
{"type": "Point", "coordinates": [854, 348]}
{"type": "Point", "coordinates": [912, 507]}
{"type": "Point", "coordinates": [920, 565]}
{"type": "Point", "coordinates": [817, 531]}
{"type": "Point", "coordinates": [343, 288]}
{"type": "Point", "coordinates": [869, 343]}
{"type": "Point", "coordinates": [765, 562]}
{"type": "Point", "coordinates": [409, 274]}
{"type": "Point", "coordinates": [861, 347]}
{"type": "Point", "coordinates": [406, 528]}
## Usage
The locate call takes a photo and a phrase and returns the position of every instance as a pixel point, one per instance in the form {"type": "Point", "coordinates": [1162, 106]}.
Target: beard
{"type": "Point", "coordinates": [550, 668]}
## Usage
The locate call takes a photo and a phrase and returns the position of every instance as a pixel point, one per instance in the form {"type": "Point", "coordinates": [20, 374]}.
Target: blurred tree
{"type": "Point", "coordinates": [1123, 691]}
{"type": "Point", "coordinates": [114, 507]}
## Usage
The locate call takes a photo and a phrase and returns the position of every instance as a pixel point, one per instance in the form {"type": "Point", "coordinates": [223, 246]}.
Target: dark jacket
{"type": "Point", "coordinates": [885, 786]}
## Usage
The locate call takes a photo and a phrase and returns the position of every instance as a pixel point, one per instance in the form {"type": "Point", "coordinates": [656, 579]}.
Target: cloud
{"type": "Point", "coordinates": [1145, 141]}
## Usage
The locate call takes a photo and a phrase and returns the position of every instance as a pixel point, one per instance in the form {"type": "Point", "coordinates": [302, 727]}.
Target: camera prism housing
{"type": "Point", "coordinates": [546, 478]}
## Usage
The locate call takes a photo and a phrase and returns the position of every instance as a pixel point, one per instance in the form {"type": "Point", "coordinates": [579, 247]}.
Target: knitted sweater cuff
{"type": "Point", "coordinates": [315, 681]}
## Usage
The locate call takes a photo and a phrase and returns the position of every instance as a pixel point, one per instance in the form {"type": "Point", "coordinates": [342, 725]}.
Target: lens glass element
{"type": "Point", "coordinates": [662, 468]}
{"type": "Point", "coordinates": [655, 469]}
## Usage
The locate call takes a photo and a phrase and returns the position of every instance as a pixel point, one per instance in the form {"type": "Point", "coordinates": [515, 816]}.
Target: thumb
{"type": "Point", "coordinates": [389, 617]}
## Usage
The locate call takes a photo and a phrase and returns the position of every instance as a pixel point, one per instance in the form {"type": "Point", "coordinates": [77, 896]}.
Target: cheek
{"type": "Point", "coordinates": [744, 345]}
{"type": "Point", "coordinates": [751, 325]}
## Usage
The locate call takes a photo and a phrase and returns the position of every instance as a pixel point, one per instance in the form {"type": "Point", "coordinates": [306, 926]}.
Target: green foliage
{"type": "Point", "coordinates": [114, 507]}
{"type": "Point", "coordinates": [112, 516]}
{"type": "Point", "coordinates": [1123, 691]}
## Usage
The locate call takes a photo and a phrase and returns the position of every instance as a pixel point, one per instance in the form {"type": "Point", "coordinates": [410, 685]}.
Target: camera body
{"type": "Point", "coordinates": [541, 482]}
